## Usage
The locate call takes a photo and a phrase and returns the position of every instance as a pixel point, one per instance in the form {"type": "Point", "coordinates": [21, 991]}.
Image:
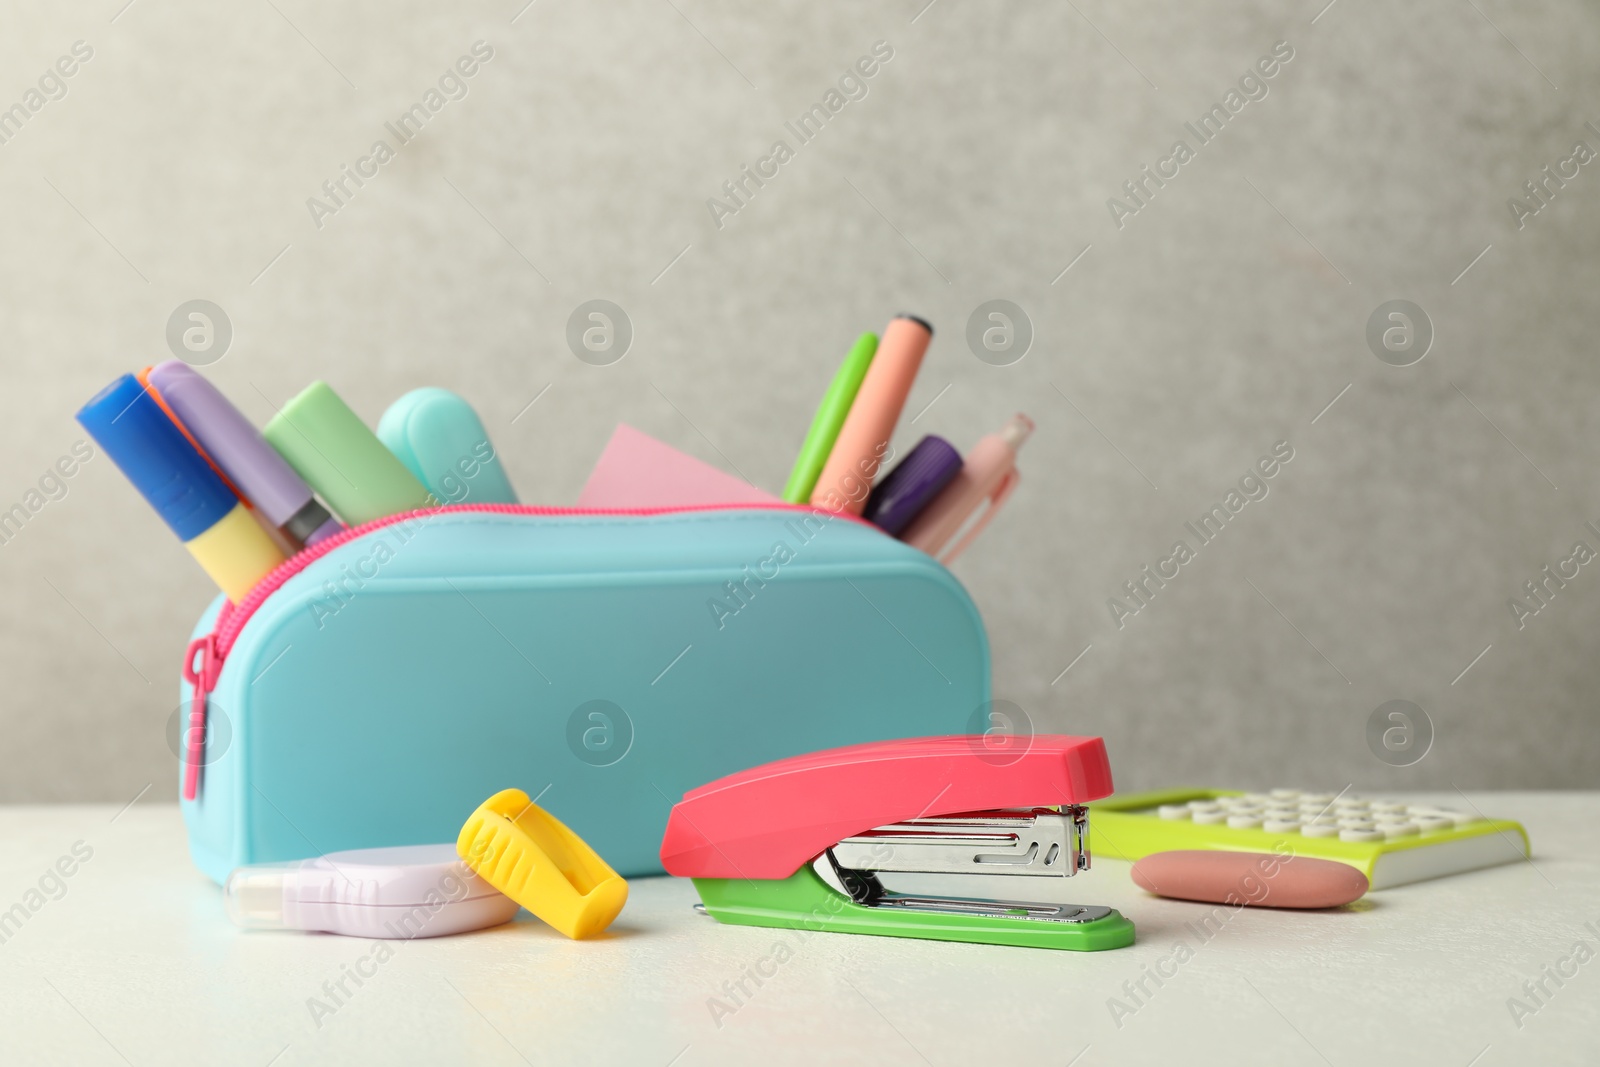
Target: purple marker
{"type": "Point", "coordinates": [233, 442]}
{"type": "Point", "coordinates": [912, 485]}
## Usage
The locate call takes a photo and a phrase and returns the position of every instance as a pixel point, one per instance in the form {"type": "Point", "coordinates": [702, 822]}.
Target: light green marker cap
{"type": "Point", "coordinates": [331, 448]}
{"type": "Point", "coordinates": [830, 417]}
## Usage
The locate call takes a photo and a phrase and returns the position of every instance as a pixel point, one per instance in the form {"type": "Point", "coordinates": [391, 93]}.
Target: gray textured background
{"type": "Point", "coordinates": [1222, 318]}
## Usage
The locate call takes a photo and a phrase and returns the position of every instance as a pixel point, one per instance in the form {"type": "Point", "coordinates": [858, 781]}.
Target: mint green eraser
{"type": "Point", "coordinates": [331, 448]}
{"type": "Point", "coordinates": [442, 441]}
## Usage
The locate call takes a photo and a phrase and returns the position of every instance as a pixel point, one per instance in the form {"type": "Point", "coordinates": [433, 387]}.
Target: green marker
{"type": "Point", "coordinates": [331, 448]}
{"type": "Point", "coordinates": [830, 416]}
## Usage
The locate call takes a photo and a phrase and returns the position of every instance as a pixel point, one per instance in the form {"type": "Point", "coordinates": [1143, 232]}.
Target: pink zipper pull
{"type": "Point", "coordinates": [204, 681]}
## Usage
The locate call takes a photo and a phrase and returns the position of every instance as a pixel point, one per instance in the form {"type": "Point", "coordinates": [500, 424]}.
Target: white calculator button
{"type": "Point", "coordinates": [1353, 834]}
{"type": "Point", "coordinates": [1258, 798]}
{"type": "Point", "coordinates": [1210, 818]}
{"type": "Point", "coordinates": [1345, 804]}
{"type": "Point", "coordinates": [1316, 798]}
{"type": "Point", "coordinates": [1198, 805]}
{"type": "Point", "coordinates": [1460, 818]}
{"type": "Point", "coordinates": [1388, 806]}
{"type": "Point", "coordinates": [1392, 830]}
{"type": "Point", "coordinates": [1281, 826]}
{"type": "Point", "coordinates": [1356, 824]}
{"type": "Point", "coordinates": [1281, 813]}
{"type": "Point", "coordinates": [1322, 820]}
{"type": "Point", "coordinates": [1173, 811]}
{"type": "Point", "coordinates": [1432, 823]}
{"type": "Point", "coordinates": [1284, 794]}
{"type": "Point", "coordinates": [1242, 821]}
{"type": "Point", "coordinates": [1320, 829]}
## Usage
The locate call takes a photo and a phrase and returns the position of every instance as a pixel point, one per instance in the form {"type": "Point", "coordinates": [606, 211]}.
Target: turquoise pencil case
{"type": "Point", "coordinates": [377, 687]}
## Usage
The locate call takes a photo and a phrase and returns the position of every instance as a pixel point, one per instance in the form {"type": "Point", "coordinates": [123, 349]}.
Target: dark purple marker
{"type": "Point", "coordinates": [912, 485]}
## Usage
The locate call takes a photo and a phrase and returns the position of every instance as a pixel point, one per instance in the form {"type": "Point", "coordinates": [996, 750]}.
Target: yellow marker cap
{"type": "Point", "coordinates": [530, 856]}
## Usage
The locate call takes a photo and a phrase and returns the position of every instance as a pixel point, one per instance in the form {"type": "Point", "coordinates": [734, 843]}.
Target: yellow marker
{"type": "Point", "coordinates": [236, 552]}
{"type": "Point", "coordinates": [530, 856]}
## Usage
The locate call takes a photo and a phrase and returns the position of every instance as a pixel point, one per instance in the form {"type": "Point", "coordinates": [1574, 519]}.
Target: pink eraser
{"type": "Point", "coordinates": [1264, 879]}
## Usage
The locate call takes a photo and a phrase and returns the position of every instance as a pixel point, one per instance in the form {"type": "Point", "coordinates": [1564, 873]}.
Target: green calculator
{"type": "Point", "coordinates": [1392, 842]}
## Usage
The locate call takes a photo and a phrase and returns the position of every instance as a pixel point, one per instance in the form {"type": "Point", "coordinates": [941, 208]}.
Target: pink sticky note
{"type": "Point", "coordinates": [637, 471]}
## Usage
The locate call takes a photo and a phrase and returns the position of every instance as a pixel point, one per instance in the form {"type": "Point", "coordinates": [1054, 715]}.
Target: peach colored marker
{"type": "Point", "coordinates": [863, 441]}
{"type": "Point", "coordinates": [989, 474]}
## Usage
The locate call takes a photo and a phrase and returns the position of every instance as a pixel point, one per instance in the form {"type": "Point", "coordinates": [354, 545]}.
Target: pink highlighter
{"type": "Point", "coordinates": [988, 476]}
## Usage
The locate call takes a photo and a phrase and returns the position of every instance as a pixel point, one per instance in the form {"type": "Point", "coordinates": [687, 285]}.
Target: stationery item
{"type": "Point", "coordinates": [907, 489]}
{"type": "Point", "coordinates": [988, 476]}
{"type": "Point", "coordinates": [403, 893]}
{"type": "Point", "coordinates": [208, 517]}
{"type": "Point", "coordinates": [863, 440]}
{"type": "Point", "coordinates": [1259, 879]}
{"type": "Point", "coordinates": [441, 440]}
{"type": "Point", "coordinates": [229, 439]}
{"type": "Point", "coordinates": [155, 394]}
{"type": "Point", "coordinates": [331, 448]}
{"type": "Point", "coordinates": [612, 656]}
{"type": "Point", "coordinates": [637, 471]}
{"type": "Point", "coordinates": [828, 419]}
{"type": "Point", "coordinates": [805, 842]}
{"type": "Point", "coordinates": [530, 856]}
{"type": "Point", "coordinates": [1391, 842]}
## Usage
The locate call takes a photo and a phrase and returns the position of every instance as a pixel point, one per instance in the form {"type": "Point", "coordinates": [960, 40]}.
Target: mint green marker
{"type": "Point", "coordinates": [830, 416]}
{"type": "Point", "coordinates": [441, 440]}
{"type": "Point", "coordinates": [329, 446]}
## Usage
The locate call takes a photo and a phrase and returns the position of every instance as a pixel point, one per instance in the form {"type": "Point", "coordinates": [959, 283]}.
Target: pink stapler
{"type": "Point", "coordinates": [804, 842]}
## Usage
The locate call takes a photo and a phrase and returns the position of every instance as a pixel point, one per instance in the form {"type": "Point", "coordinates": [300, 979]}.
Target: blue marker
{"type": "Point", "coordinates": [208, 517]}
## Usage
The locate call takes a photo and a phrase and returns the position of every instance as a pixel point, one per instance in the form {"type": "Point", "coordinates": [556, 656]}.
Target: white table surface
{"type": "Point", "coordinates": [136, 963]}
